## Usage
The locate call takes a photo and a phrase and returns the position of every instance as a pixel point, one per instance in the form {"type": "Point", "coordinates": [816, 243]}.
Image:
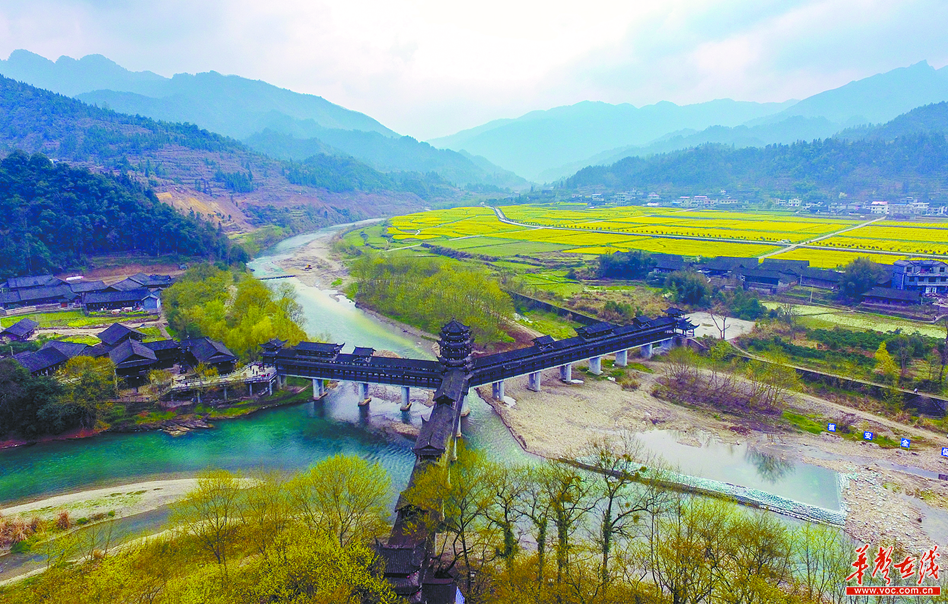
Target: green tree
{"type": "Point", "coordinates": [886, 365]}
{"type": "Point", "coordinates": [88, 385]}
{"type": "Point", "coordinates": [859, 276]}
{"type": "Point", "coordinates": [688, 287]}
{"type": "Point", "coordinates": [212, 512]}
{"type": "Point", "coordinates": [316, 571]}
{"type": "Point", "coordinates": [455, 499]}
{"type": "Point", "coordinates": [344, 498]}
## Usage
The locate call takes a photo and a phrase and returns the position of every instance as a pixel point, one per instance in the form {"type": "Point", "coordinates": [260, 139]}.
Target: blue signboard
{"type": "Point", "coordinates": [944, 451]}
{"type": "Point", "coordinates": [867, 435]}
{"type": "Point", "coordinates": [906, 443]}
{"type": "Point", "coordinates": [831, 427]}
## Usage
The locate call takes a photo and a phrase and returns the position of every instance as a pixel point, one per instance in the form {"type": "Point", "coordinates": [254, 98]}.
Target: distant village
{"type": "Point", "coordinates": [902, 207]}
{"type": "Point", "coordinates": [906, 282]}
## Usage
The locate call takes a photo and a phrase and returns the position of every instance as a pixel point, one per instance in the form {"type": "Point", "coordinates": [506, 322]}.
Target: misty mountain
{"type": "Point", "coordinates": [70, 76]}
{"type": "Point", "coordinates": [229, 105]}
{"type": "Point", "coordinates": [245, 109]}
{"type": "Point", "coordinates": [875, 99]}
{"type": "Point", "coordinates": [185, 161]}
{"type": "Point", "coordinates": [386, 154]}
{"type": "Point", "coordinates": [928, 119]}
{"type": "Point", "coordinates": [787, 131]}
{"type": "Point", "coordinates": [541, 140]}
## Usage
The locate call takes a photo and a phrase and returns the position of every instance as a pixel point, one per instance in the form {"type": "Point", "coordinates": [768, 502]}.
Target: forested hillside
{"type": "Point", "coordinates": [912, 165]}
{"type": "Point", "coordinates": [187, 161]}
{"type": "Point", "coordinates": [930, 118]}
{"type": "Point", "coordinates": [55, 215]}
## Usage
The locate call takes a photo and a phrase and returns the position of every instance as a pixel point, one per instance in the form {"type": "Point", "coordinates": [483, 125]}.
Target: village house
{"type": "Point", "coordinates": [929, 277]}
{"type": "Point", "coordinates": [768, 281]}
{"type": "Point", "coordinates": [20, 331]}
{"type": "Point", "coordinates": [140, 298]}
{"type": "Point", "coordinates": [823, 279]}
{"type": "Point", "coordinates": [209, 352]}
{"type": "Point", "coordinates": [886, 296]}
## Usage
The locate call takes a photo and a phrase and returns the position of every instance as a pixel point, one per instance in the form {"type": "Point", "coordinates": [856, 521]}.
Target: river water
{"type": "Point", "coordinates": [295, 437]}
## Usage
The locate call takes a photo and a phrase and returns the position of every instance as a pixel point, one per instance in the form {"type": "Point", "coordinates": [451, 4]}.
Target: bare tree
{"type": "Point", "coordinates": [719, 318]}
{"type": "Point", "coordinates": [211, 512]}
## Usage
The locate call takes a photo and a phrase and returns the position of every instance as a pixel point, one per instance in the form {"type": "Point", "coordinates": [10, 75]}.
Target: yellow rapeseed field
{"type": "Point", "coordinates": [576, 228]}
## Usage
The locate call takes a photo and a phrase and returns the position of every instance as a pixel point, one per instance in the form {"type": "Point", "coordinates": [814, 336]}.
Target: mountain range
{"type": "Point", "coordinates": [204, 172]}
{"type": "Point", "coordinates": [553, 144]}
{"type": "Point", "coordinates": [541, 146]}
{"type": "Point", "coordinates": [243, 109]}
{"type": "Point", "coordinates": [907, 156]}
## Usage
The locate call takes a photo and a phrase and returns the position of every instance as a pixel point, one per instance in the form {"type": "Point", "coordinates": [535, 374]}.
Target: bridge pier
{"type": "Point", "coordinates": [270, 388]}
{"type": "Point", "coordinates": [319, 389]}
{"type": "Point", "coordinates": [225, 394]}
{"type": "Point", "coordinates": [533, 381]}
{"type": "Point", "coordinates": [566, 373]}
{"type": "Point", "coordinates": [646, 351]}
{"type": "Point", "coordinates": [251, 388]}
{"type": "Point", "coordinates": [406, 398]}
{"type": "Point", "coordinates": [622, 358]}
{"type": "Point", "coordinates": [595, 365]}
{"type": "Point", "coordinates": [498, 390]}
{"type": "Point", "coordinates": [465, 410]}
{"type": "Point", "coordinates": [364, 398]}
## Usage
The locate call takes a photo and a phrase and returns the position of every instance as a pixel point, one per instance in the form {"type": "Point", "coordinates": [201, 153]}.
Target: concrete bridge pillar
{"type": "Point", "coordinates": [566, 373]}
{"type": "Point", "coordinates": [225, 393]}
{"type": "Point", "coordinates": [498, 390]}
{"type": "Point", "coordinates": [251, 388]}
{"type": "Point", "coordinates": [533, 381]}
{"type": "Point", "coordinates": [646, 351]}
{"type": "Point", "coordinates": [465, 410]}
{"type": "Point", "coordinates": [622, 358]}
{"type": "Point", "coordinates": [667, 345]}
{"type": "Point", "coordinates": [595, 365]}
{"type": "Point", "coordinates": [270, 388]}
{"type": "Point", "coordinates": [319, 389]}
{"type": "Point", "coordinates": [406, 398]}
{"type": "Point", "coordinates": [364, 398]}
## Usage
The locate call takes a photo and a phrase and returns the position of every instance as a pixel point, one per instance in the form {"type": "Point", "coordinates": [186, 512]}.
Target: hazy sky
{"type": "Point", "coordinates": [432, 67]}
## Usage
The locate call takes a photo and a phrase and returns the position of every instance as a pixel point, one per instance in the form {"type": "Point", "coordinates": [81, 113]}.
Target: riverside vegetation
{"type": "Point", "coordinates": [232, 306]}
{"type": "Point", "coordinates": [546, 532]}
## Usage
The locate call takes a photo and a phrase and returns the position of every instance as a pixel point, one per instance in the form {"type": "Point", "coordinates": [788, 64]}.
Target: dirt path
{"type": "Point", "coordinates": [822, 237]}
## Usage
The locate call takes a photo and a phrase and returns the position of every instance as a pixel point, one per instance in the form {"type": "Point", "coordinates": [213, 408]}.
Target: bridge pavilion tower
{"type": "Point", "coordinates": [456, 346]}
